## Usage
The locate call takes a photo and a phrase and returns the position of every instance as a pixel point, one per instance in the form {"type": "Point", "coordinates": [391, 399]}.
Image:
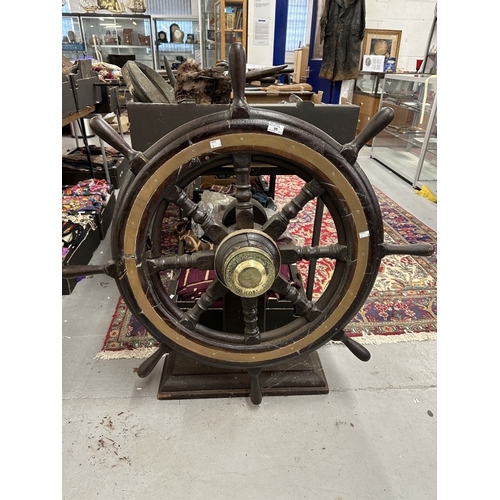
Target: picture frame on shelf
{"type": "Point", "coordinates": [379, 42]}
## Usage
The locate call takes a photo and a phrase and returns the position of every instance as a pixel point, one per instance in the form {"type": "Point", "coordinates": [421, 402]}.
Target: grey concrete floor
{"type": "Point", "coordinates": [372, 437]}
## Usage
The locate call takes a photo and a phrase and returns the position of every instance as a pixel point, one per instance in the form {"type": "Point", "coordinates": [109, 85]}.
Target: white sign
{"type": "Point", "coordinates": [261, 32]}
{"type": "Point", "coordinates": [374, 63]}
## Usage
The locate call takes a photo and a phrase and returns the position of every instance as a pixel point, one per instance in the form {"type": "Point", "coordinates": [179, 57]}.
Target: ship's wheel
{"type": "Point", "coordinates": [248, 256]}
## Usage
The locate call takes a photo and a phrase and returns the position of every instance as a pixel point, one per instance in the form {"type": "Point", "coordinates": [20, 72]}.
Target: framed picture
{"type": "Point", "coordinates": [381, 43]}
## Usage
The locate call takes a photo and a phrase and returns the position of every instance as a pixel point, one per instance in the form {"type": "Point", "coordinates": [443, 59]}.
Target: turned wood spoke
{"type": "Point", "coordinates": [199, 260]}
{"type": "Point", "coordinates": [304, 306]}
{"type": "Point", "coordinates": [215, 290]}
{"type": "Point", "coordinates": [244, 208]}
{"type": "Point", "coordinates": [278, 223]}
{"type": "Point", "coordinates": [213, 229]}
{"type": "Point", "coordinates": [291, 253]}
{"type": "Point", "coordinates": [250, 316]}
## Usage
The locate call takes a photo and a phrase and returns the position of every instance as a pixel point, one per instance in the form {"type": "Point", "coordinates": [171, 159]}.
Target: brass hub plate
{"type": "Point", "coordinates": [249, 272]}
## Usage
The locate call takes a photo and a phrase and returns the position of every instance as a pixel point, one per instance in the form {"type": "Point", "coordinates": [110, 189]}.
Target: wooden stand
{"type": "Point", "coordinates": [185, 378]}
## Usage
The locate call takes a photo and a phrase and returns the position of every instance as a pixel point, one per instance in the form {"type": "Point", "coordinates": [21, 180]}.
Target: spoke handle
{"type": "Point", "coordinates": [255, 387]}
{"type": "Point", "coordinates": [148, 365]}
{"type": "Point", "coordinates": [423, 249]}
{"type": "Point", "coordinates": [237, 70]}
{"type": "Point", "coordinates": [77, 270]}
{"type": "Point", "coordinates": [105, 131]}
{"type": "Point", "coordinates": [379, 121]}
{"type": "Point", "coordinates": [360, 351]}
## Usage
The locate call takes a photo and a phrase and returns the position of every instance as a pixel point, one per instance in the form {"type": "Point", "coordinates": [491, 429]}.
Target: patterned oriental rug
{"type": "Point", "coordinates": [402, 305]}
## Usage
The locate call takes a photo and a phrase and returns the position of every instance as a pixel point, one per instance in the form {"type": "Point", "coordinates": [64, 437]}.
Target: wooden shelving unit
{"type": "Point", "coordinates": [230, 25]}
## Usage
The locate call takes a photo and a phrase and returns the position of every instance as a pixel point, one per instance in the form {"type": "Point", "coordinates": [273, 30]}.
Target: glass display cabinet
{"type": "Point", "coordinates": [408, 146]}
{"type": "Point", "coordinates": [176, 39]}
{"type": "Point", "coordinates": [230, 25]}
{"type": "Point", "coordinates": [117, 39]}
{"type": "Point", "coordinates": [73, 44]}
{"type": "Point", "coordinates": [366, 95]}
{"type": "Point", "coordinates": [208, 16]}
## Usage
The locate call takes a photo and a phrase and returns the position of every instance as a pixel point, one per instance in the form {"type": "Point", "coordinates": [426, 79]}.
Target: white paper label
{"type": "Point", "coordinates": [364, 234]}
{"type": "Point", "coordinates": [215, 144]}
{"type": "Point", "coordinates": [275, 128]}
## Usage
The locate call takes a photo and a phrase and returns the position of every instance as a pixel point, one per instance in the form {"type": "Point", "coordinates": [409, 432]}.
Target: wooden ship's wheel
{"type": "Point", "coordinates": [247, 259]}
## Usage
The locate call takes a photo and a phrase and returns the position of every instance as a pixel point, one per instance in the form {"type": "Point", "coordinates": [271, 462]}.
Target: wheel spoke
{"type": "Point", "coordinates": [278, 223]}
{"type": "Point", "coordinates": [250, 312]}
{"type": "Point", "coordinates": [243, 195]}
{"type": "Point", "coordinates": [291, 253]}
{"type": "Point", "coordinates": [304, 306]}
{"type": "Point", "coordinates": [213, 229]}
{"type": "Point", "coordinates": [198, 260]}
{"type": "Point", "coordinates": [215, 291]}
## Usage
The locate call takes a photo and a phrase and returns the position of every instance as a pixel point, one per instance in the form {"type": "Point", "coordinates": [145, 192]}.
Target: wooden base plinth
{"type": "Point", "coordinates": [185, 378]}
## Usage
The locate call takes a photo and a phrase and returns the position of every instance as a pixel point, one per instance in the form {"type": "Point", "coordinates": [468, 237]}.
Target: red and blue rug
{"type": "Point", "coordinates": [402, 305]}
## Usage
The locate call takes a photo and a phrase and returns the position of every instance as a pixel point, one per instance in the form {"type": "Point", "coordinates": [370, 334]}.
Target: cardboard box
{"type": "Point", "coordinates": [80, 255]}
{"type": "Point", "coordinates": [300, 64]}
{"type": "Point", "coordinates": [125, 124]}
{"type": "Point", "coordinates": [213, 180]}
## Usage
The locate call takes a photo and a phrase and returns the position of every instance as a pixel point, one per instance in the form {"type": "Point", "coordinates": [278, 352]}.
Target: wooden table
{"type": "Point", "coordinates": [82, 113]}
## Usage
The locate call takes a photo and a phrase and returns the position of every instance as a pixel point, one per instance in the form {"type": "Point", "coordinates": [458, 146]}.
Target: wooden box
{"type": "Point", "coordinates": [300, 64]}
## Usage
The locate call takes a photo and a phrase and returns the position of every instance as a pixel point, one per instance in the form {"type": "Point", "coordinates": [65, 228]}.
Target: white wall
{"type": "Point", "coordinates": [413, 17]}
{"type": "Point", "coordinates": [258, 53]}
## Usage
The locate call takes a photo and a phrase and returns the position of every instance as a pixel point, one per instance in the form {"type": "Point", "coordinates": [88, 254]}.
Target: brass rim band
{"type": "Point", "coordinates": [303, 155]}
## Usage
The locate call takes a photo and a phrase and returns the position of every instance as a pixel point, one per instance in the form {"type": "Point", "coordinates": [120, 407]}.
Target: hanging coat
{"type": "Point", "coordinates": [342, 30]}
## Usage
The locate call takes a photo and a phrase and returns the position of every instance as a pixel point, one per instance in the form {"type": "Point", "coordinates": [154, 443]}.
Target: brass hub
{"type": "Point", "coordinates": [248, 262]}
{"type": "Point", "coordinates": [249, 272]}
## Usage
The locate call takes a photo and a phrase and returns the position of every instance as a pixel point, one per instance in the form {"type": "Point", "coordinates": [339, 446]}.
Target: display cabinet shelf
{"type": "Point", "coordinates": [73, 45]}
{"type": "Point", "coordinates": [408, 145]}
{"type": "Point", "coordinates": [117, 38]}
{"type": "Point", "coordinates": [176, 39]}
{"type": "Point", "coordinates": [208, 42]}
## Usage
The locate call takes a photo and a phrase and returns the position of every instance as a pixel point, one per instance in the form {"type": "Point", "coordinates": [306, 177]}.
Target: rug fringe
{"type": "Point", "coordinates": [140, 353]}
{"type": "Point", "coordinates": [394, 339]}
{"type": "Point", "coordinates": [145, 352]}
